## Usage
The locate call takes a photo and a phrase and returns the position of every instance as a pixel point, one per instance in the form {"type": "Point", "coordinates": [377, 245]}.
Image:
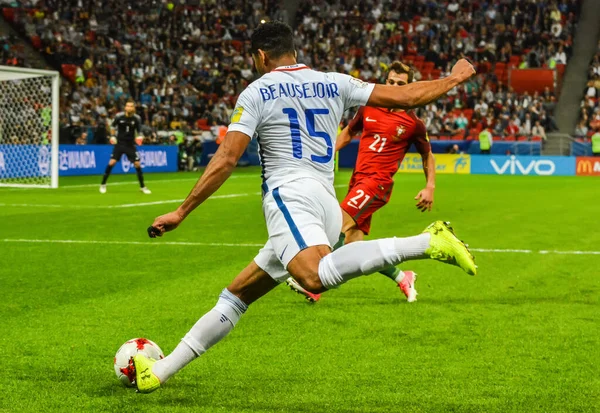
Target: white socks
{"type": "Point", "coordinates": [207, 332]}
{"type": "Point", "coordinates": [399, 277]}
{"type": "Point", "coordinates": [367, 257]}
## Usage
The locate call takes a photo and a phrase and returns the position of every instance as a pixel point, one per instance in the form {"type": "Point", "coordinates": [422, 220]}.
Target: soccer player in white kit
{"type": "Point", "coordinates": [293, 112]}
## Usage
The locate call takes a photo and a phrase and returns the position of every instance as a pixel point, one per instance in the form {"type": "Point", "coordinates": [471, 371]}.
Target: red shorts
{"type": "Point", "coordinates": [364, 198]}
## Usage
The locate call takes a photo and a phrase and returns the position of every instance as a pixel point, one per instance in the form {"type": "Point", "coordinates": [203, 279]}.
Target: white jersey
{"type": "Point", "coordinates": [294, 113]}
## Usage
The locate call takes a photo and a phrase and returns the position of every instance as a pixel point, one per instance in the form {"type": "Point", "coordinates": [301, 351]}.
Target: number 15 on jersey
{"type": "Point", "coordinates": [310, 127]}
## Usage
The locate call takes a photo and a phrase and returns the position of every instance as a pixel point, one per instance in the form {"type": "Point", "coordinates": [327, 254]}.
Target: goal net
{"type": "Point", "coordinates": [29, 127]}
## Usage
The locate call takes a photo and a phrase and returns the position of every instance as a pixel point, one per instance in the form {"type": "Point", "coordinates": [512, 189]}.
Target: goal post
{"type": "Point", "coordinates": [29, 131]}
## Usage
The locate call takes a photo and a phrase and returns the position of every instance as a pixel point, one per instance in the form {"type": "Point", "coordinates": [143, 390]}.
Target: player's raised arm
{"type": "Point", "coordinates": [420, 93]}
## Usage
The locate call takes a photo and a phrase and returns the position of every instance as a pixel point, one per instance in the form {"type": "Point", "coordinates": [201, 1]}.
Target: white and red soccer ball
{"type": "Point", "coordinates": [123, 364]}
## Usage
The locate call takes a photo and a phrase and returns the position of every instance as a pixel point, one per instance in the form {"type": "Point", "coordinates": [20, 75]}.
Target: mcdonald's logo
{"type": "Point", "coordinates": [588, 166]}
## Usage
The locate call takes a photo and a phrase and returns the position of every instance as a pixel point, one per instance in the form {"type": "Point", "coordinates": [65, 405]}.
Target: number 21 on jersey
{"type": "Point", "coordinates": [310, 126]}
{"type": "Point", "coordinates": [378, 143]}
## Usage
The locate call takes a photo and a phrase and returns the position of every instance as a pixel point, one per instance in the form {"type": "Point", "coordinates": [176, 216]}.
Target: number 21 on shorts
{"type": "Point", "coordinates": [359, 200]}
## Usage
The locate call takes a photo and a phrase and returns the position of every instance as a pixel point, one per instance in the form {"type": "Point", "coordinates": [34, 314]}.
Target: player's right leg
{"type": "Point", "coordinates": [114, 157]}
{"type": "Point", "coordinates": [318, 271]}
{"type": "Point", "coordinates": [251, 284]}
{"type": "Point", "coordinates": [303, 228]}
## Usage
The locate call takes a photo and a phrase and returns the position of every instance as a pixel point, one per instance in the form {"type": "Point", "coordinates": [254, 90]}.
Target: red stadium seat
{"type": "Point", "coordinates": [522, 138]}
{"type": "Point", "coordinates": [515, 59]}
{"type": "Point", "coordinates": [536, 138]}
{"type": "Point", "coordinates": [36, 42]}
{"type": "Point", "coordinates": [510, 138]}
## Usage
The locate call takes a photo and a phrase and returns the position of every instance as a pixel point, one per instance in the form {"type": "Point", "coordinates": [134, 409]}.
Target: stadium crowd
{"type": "Point", "coordinates": [11, 52]}
{"type": "Point", "coordinates": [186, 62]}
{"type": "Point", "coordinates": [589, 119]}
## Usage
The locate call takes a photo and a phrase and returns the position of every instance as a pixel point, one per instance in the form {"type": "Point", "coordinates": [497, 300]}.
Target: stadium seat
{"type": "Point", "coordinates": [36, 41]}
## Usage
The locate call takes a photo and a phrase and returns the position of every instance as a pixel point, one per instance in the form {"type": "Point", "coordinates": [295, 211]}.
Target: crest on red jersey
{"type": "Point", "coordinates": [400, 130]}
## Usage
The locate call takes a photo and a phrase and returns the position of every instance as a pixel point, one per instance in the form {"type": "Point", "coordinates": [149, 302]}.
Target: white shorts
{"type": "Point", "coordinates": [299, 214]}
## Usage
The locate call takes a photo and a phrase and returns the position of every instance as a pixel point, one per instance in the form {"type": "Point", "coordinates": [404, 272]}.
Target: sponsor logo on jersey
{"type": "Point", "coordinates": [237, 114]}
{"type": "Point", "coordinates": [368, 119]}
{"type": "Point", "coordinates": [359, 83]}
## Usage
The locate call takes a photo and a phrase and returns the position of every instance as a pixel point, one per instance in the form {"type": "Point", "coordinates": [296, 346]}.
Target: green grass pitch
{"type": "Point", "coordinates": [522, 336]}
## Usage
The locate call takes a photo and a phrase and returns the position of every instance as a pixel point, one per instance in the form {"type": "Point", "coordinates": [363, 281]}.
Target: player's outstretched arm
{"type": "Point", "coordinates": [217, 171]}
{"type": "Point", "coordinates": [420, 93]}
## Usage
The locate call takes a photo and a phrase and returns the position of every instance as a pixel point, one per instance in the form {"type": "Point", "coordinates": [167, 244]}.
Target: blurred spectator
{"type": "Point", "coordinates": [581, 130]}
{"type": "Point", "coordinates": [538, 130]}
{"type": "Point", "coordinates": [486, 141]}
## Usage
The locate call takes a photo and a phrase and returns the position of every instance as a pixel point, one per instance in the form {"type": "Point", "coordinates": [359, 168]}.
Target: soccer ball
{"type": "Point", "coordinates": [113, 140]}
{"type": "Point", "coordinates": [123, 363]}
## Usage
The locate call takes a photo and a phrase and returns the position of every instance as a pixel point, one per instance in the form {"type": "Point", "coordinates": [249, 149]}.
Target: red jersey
{"type": "Point", "coordinates": [385, 140]}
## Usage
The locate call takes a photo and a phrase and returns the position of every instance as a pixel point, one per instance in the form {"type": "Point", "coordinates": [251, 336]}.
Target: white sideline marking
{"type": "Point", "coordinates": [34, 205]}
{"type": "Point", "coordinates": [501, 250]}
{"type": "Point", "coordinates": [168, 201]}
{"type": "Point", "coordinates": [219, 244]}
{"type": "Point", "coordinates": [82, 241]}
{"type": "Point", "coordinates": [173, 201]}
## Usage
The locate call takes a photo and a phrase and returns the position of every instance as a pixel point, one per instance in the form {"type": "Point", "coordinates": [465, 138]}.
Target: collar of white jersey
{"type": "Point", "coordinates": [291, 68]}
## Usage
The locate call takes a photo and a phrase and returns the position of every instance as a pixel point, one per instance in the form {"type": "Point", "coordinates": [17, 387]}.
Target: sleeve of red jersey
{"type": "Point", "coordinates": [356, 123]}
{"type": "Point", "coordinates": [420, 138]}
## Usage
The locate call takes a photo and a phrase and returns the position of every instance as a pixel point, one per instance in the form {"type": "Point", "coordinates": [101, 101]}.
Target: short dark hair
{"type": "Point", "coordinates": [274, 38]}
{"type": "Point", "coordinates": [130, 100]}
{"type": "Point", "coordinates": [400, 68]}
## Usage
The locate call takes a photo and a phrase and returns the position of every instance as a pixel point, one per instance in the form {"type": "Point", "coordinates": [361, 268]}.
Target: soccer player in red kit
{"type": "Point", "coordinates": [387, 135]}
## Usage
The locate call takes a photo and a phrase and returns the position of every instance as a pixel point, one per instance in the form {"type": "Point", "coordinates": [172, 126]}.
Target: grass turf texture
{"type": "Point", "coordinates": [521, 336]}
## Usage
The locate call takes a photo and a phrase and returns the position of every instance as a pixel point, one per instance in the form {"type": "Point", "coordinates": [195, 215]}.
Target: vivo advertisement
{"type": "Point", "coordinates": [523, 165]}
{"type": "Point", "coordinates": [31, 160]}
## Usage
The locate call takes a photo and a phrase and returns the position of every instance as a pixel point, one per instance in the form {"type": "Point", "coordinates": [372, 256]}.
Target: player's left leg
{"type": "Point", "coordinates": [251, 284]}
{"type": "Point", "coordinates": [134, 157]}
{"type": "Point", "coordinates": [114, 158]}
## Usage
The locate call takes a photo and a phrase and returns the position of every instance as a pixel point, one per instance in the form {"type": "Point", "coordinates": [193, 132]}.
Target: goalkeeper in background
{"type": "Point", "coordinates": [127, 124]}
